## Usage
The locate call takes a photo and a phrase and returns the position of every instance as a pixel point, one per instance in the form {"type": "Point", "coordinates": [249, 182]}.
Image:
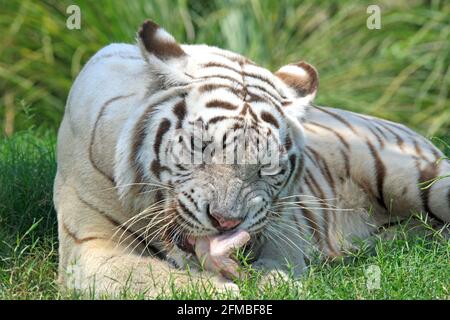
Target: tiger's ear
{"type": "Point", "coordinates": [163, 54]}
{"type": "Point", "coordinates": [301, 78]}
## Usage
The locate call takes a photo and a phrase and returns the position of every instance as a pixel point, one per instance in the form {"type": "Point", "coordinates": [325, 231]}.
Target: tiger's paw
{"type": "Point", "coordinates": [225, 287]}
{"type": "Point", "coordinates": [215, 253]}
{"type": "Point", "coordinates": [272, 274]}
{"type": "Point", "coordinates": [273, 278]}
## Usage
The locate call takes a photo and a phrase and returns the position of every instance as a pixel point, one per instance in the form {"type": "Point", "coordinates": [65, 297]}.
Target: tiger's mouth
{"type": "Point", "coordinates": [186, 243]}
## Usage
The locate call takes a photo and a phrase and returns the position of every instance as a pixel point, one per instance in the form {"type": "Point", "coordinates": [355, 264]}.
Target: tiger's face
{"type": "Point", "coordinates": [227, 139]}
{"type": "Point", "coordinates": [228, 175]}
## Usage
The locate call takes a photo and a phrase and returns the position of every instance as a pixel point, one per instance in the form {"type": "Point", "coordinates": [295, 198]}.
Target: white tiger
{"type": "Point", "coordinates": [127, 214]}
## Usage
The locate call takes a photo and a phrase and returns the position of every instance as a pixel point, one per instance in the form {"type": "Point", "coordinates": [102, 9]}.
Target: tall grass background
{"type": "Point", "coordinates": [400, 72]}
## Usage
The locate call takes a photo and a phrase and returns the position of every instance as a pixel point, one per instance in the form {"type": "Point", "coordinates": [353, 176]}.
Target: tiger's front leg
{"type": "Point", "coordinates": [104, 269]}
{"type": "Point", "coordinates": [281, 252]}
{"type": "Point", "coordinates": [94, 262]}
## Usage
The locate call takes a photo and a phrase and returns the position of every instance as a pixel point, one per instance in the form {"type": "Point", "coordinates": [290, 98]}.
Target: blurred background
{"type": "Point", "coordinates": [400, 72]}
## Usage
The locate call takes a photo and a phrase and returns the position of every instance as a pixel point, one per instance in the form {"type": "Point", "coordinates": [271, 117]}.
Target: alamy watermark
{"type": "Point", "coordinates": [373, 277]}
{"type": "Point", "coordinates": [73, 21]}
{"type": "Point", "coordinates": [374, 19]}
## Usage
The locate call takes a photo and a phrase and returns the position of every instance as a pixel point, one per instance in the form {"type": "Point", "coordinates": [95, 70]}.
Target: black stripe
{"type": "Point", "coordinates": [339, 118]}
{"type": "Point", "coordinates": [215, 86]}
{"type": "Point", "coordinates": [259, 222]}
{"type": "Point", "coordinates": [313, 225]}
{"type": "Point", "coordinates": [346, 163]}
{"type": "Point", "coordinates": [316, 184]}
{"type": "Point", "coordinates": [156, 168]}
{"type": "Point", "coordinates": [430, 172]}
{"type": "Point", "coordinates": [263, 79]}
{"type": "Point", "coordinates": [370, 126]}
{"type": "Point", "coordinates": [325, 214]}
{"type": "Point", "coordinates": [75, 237]}
{"type": "Point", "coordinates": [276, 99]}
{"type": "Point", "coordinates": [338, 135]}
{"type": "Point", "coordinates": [189, 197]}
{"type": "Point", "coordinates": [216, 119]}
{"type": "Point", "coordinates": [180, 111]}
{"type": "Point", "coordinates": [188, 212]}
{"type": "Point", "coordinates": [380, 173]}
{"type": "Point", "coordinates": [243, 74]}
{"type": "Point", "coordinates": [94, 131]}
{"type": "Point", "coordinates": [117, 224]}
{"type": "Point", "coordinates": [293, 163]}
{"type": "Point", "coordinates": [221, 104]}
{"type": "Point", "coordinates": [380, 131]}
{"type": "Point", "coordinates": [139, 136]}
{"type": "Point", "coordinates": [399, 140]}
{"type": "Point", "coordinates": [269, 118]}
{"type": "Point", "coordinates": [213, 64]}
{"type": "Point", "coordinates": [234, 80]}
{"type": "Point", "coordinates": [323, 166]}
{"type": "Point", "coordinates": [163, 128]}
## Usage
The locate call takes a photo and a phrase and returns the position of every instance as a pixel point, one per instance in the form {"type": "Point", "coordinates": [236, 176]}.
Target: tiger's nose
{"type": "Point", "coordinates": [222, 223]}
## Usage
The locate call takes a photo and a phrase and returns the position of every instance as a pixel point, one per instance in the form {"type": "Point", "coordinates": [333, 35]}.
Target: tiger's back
{"type": "Point", "coordinates": [380, 171]}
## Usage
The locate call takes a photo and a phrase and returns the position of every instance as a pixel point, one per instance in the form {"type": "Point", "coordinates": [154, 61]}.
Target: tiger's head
{"type": "Point", "coordinates": [218, 142]}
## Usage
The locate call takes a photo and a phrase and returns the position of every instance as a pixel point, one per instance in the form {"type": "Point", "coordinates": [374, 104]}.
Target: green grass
{"type": "Point", "coordinates": [28, 234]}
{"type": "Point", "coordinates": [411, 267]}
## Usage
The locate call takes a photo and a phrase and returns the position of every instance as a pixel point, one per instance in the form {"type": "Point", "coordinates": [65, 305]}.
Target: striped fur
{"type": "Point", "coordinates": [124, 204]}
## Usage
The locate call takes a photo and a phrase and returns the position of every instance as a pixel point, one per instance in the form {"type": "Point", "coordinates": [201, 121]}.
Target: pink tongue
{"type": "Point", "coordinates": [214, 251]}
{"type": "Point", "coordinates": [223, 245]}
